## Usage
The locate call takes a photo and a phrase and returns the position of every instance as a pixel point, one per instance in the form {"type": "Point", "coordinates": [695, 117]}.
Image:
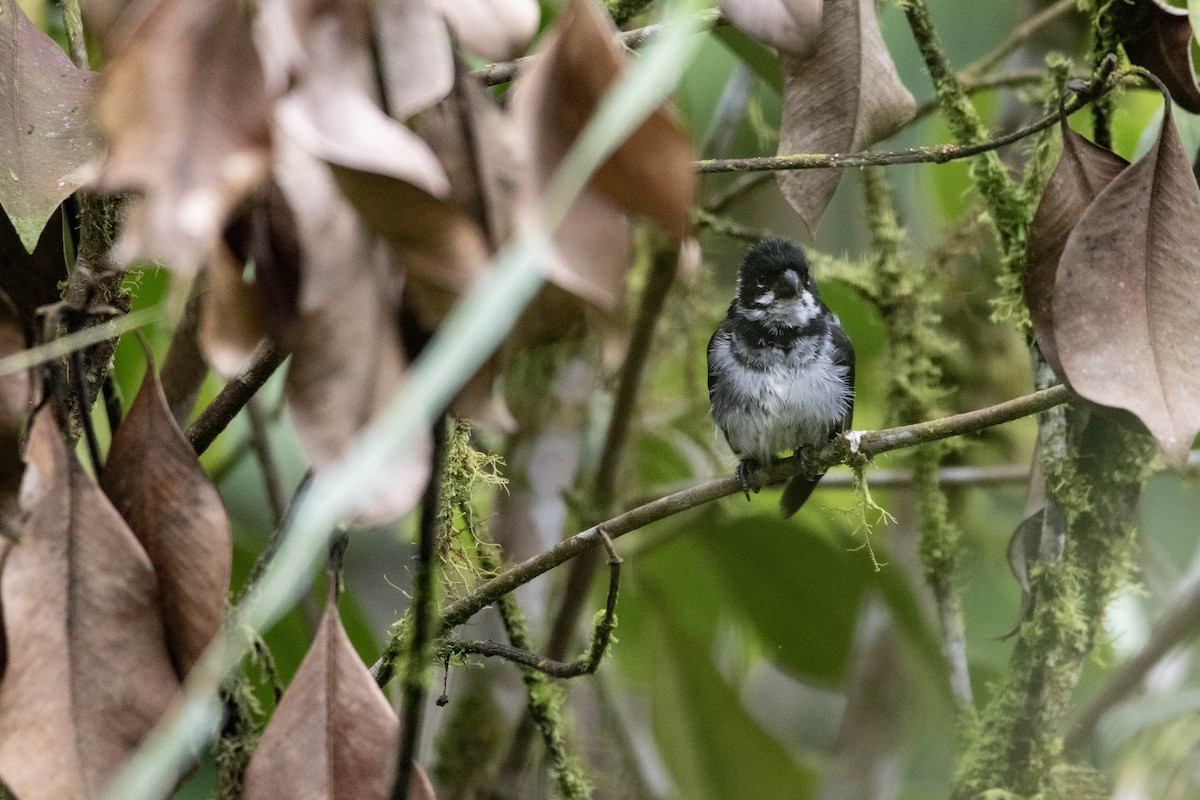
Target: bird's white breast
{"type": "Point", "coordinates": [793, 401]}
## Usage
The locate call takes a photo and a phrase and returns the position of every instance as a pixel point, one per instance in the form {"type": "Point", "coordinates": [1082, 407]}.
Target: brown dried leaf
{"type": "Point", "coordinates": [1083, 169]}
{"type": "Point", "coordinates": [1125, 310]}
{"type": "Point", "coordinates": [244, 305]}
{"type": "Point", "coordinates": [1162, 43]}
{"type": "Point", "coordinates": [415, 56]}
{"type": "Point", "coordinates": [46, 138]}
{"type": "Point", "coordinates": [321, 51]}
{"type": "Point", "coordinates": [440, 248]}
{"type": "Point", "coordinates": [843, 98]}
{"type": "Point", "coordinates": [233, 319]}
{"type": "Point", "coordinates": [790, 26]}
{"type": "Point", "coordinates": [651, 173]}
{"type": "Point", "coordinates": [88, 670]}
{"type": "Point", "coordinates": [478, 144]}
{"type": "Point", "coordinates": [346, 367]}
{"type": "Point", "coordinates": [324, 224]}
{"type": "Point", "coordinates": [177, 515]}
{"type": "Point", "coordinates": [185, 108]}
{"type": "Point", "coordinates": [333, 734]}
{"type": "Point", "coordinates": [495, 29]}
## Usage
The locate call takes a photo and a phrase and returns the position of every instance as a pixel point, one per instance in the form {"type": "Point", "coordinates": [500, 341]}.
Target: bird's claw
{"type": "Point", "coordinates": [743, 472]}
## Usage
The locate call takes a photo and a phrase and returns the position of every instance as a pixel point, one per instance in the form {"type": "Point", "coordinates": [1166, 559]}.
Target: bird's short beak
{"type": "Point", "coordinates": [788, 284]}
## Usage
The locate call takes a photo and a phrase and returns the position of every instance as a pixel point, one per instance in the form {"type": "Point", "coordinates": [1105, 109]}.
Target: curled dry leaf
{"type": "Point", "coordinates": [46, 138]}
{"type": "Point", "coordinates": [322, 52]}
{"type": "Point", "coordinates": [175, 511]}
{"type": "Point", "coordinates": [415, 56]}
{"type": "Point", "coordinates": [478, 144]}
{"type": "Point", "coordinates": [651, 173]}
{"type": "Point", "coordinates": [1125, 311]}
{"type": "Point", "coordinates": [333, 734]}
{"type": "Point", "coordinates": [253, 283]}
{"type": "Point", "coordinates": [440, 248]}
{"type": "Point", "coordinates": [324, 225]}
{"type": "Point", "coordinates": [790, 26]}
{"type": "Point", "coordinates": [1083, 169]}
{"type": "Point", "coordinates": [1161, 41]}
{"type": "Point", "coordinates": [495, 29]}
{"type": "Point", "coordinates": [88, 671]}
{"type": "Point", "coordinates": [346, 367]}
{"type": "Point", "coordinates": [843, 98]}
{"type": "Point", "coordinates": [185, 108]}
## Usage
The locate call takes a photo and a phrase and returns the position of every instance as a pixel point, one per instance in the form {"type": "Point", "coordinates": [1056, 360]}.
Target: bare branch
{"type": "Point", "coordinates": [934, 154]}
{"type": "Point", "coordinates": [853, 445]}
{"type": "Point", "coordinates": [586, 664]}
{"type": "Point", "coordinates": [260, 441]}
{"type": "Point", "coordinates": [237, 392]}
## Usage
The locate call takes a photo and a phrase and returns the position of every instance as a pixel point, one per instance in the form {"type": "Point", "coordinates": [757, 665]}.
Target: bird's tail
{"type": "Point", "coordinates": [796, 493]}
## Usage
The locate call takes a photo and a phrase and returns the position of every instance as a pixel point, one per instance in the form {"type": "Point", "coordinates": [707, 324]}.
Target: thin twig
{"type": "Point", "coordinates": [586, 664]}
{"type": "Point", "coordinates": [268, 551]}
{"type": "Point", "coordinates": [972, 86]}
{"type": "Point", "coordinates": [231, 399]}
{"type": "Point", "coordinates": [854, 444]}
{"type": "Point", "coordinates": [505, 71]}
{"type": "Point", "coordinates": [1020, 35]}
{"type": "Point", "coordinates": [998, 475]}
{"type": "Point", "coordinates": [184, 369]}
{"type": "Point", "coordinates": [933, 154]}
{"type": "Point", "coordinates": [415, 678]}
{"type": "Point", "coordinates": [260, 441]}
{"type": "Point", "coordinates": [1178, 624]}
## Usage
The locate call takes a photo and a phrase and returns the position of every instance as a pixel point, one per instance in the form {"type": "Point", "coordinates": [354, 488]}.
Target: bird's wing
{"type": "Point", "coordinates": [844, 350]}
{"type": "Point", "coordinates": [718, 335]}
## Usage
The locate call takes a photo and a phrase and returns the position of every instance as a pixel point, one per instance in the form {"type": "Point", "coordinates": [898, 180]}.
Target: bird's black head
{"type": "Point", "coordinates": [775, 272]}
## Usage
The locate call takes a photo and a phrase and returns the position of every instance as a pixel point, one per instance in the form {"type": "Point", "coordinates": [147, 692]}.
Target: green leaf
{"type": "Point", "coordinates": [760, 59]}
{"type": "Point", "coordinates": [712, 745]}
{"type": "Point", "coordinates": [799, 592]}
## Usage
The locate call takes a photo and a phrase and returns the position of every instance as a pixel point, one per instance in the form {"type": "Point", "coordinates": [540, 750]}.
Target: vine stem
{"type": "Point", "coordinates": [853, 445]}
{"type": "Point", "coordinates": [415, 676]}
{"type": "Point", "coordinates": [234, 396]}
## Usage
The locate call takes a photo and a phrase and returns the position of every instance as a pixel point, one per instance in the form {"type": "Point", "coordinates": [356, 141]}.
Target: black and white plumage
{"type": "Point", "coordinates": [780, 367]}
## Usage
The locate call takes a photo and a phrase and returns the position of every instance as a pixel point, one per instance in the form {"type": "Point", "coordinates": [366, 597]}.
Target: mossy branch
{"type": "Point", "coordinates": [544, 699]}
{"type": "Point", "coordinates": [909, 297]}
{"type": "Point", "coordinates": [585, 664]}
{"type": "Point", "coordinates": [854, 444]}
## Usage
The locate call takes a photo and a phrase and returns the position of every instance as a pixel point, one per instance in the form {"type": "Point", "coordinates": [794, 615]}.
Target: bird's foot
{"type": "Point", "coordinates": [745, 469]}
{"type": "Point", "coordinates": [802, 457]}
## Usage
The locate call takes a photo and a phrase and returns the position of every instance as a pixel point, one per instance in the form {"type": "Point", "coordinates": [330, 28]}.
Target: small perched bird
{"type": "Point", "coordinates": [780, 367]}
